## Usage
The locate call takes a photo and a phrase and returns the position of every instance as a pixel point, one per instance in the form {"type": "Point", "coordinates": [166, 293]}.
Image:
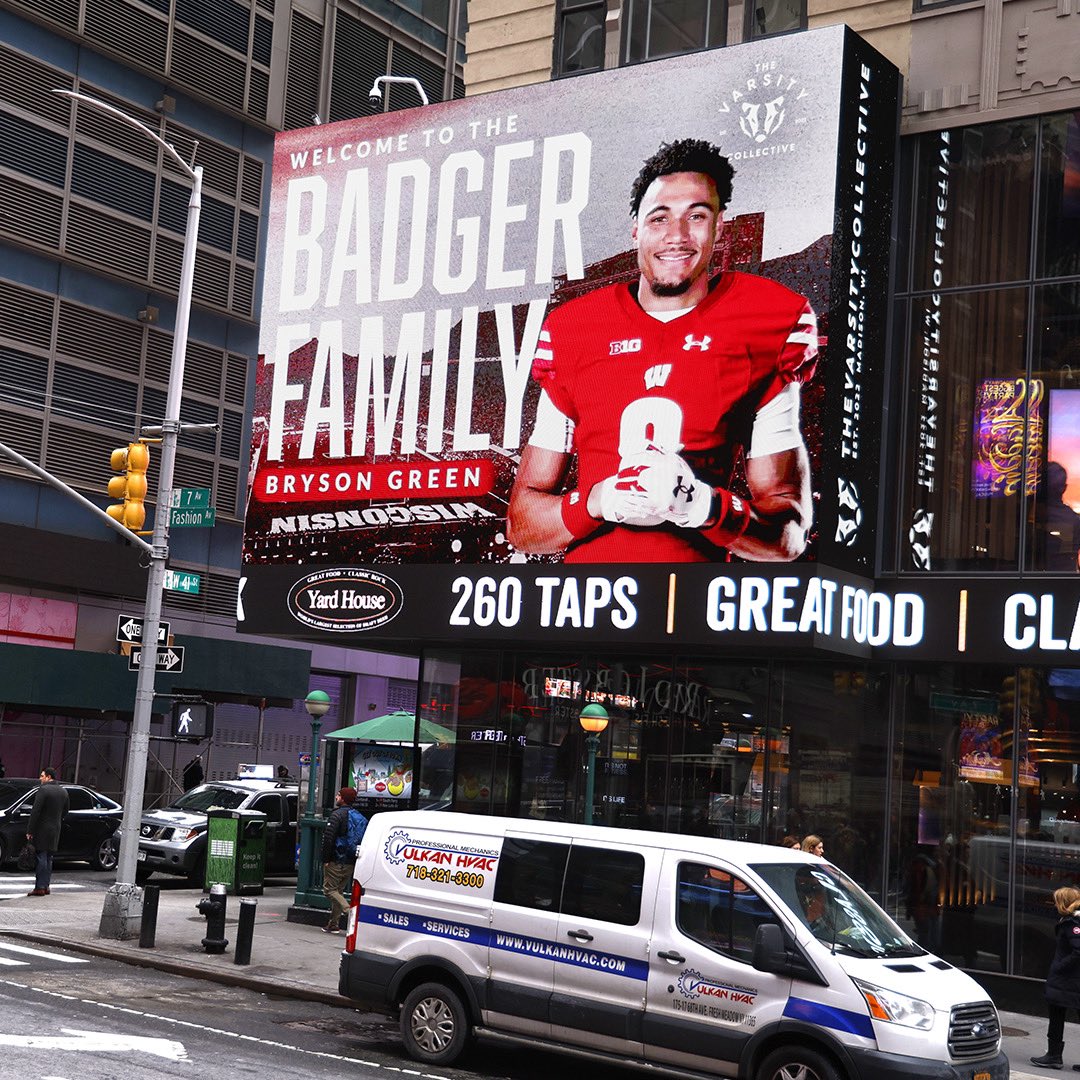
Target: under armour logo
{"type": "Point", "coordinates": [690, 343]}
{"type": "Point", "coordinates": [657, 376]}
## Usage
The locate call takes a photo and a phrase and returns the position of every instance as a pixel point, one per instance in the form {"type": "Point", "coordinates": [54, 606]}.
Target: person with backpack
{"type": "Point", "coordinates": [344, 831]}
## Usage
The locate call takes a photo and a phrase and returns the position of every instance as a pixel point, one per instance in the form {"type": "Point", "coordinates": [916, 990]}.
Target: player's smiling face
{"type": "Point", "coordinates": [678, 222]}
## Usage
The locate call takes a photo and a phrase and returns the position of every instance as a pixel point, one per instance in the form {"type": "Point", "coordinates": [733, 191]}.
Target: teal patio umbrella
{"type": "Point", "coordinates": [395, 727]}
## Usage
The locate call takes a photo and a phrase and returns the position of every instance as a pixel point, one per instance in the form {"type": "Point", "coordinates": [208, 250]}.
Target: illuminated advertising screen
{"type": "Point", "coordinates": [1008, 416]}
{"type": "Point", "coordinates": [618, 329]}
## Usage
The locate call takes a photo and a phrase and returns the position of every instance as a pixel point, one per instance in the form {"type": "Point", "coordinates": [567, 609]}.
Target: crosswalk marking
{"type": "Point", "coordinates": [7, 947]}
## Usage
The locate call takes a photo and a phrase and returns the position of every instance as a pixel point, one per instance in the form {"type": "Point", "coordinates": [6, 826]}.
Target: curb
{"type": "Point", "coordinates": [145, 959]}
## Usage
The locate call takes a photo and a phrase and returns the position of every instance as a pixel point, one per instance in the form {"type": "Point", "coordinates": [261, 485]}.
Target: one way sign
{"type": "Point", "coordinates": [169, 659]}
{"type": "Point", "coordinates": [129, 628]}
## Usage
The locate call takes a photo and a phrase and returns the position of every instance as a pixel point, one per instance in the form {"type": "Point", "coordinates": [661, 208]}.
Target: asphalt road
{"type": "Point", "coordinates": [64, 1016]}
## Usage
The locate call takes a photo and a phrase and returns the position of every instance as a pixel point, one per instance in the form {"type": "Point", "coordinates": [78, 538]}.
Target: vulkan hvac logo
{"type": "Point", "coordinates": [762, 105]}
{"type": "Point", "coordinates": [345, 600]}
{"type": "Point", "coordinates": [400, 848]}
{"type": "Point", "coordinates": [692, 984]}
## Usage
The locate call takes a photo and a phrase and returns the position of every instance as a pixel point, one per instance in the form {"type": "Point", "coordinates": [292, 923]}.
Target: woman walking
{"type": "Point", "coordinates": [1063, 979]}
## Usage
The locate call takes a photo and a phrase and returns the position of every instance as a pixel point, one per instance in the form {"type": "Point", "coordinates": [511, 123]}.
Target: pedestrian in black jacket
{"type": "Point", "coordinates": [43, 829]}
{"type": "Point", "coordinates": [338, 869]}
{"type": "Point", "coordinates": [1063, 980]}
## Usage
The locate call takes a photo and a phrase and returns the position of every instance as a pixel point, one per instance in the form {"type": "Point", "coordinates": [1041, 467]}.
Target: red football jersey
{"type": "Point", "coordinates": [692, 386]}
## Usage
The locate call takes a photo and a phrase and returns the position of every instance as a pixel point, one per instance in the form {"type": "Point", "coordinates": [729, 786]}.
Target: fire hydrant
{"type": "Point", "coordinates": [213, 907]}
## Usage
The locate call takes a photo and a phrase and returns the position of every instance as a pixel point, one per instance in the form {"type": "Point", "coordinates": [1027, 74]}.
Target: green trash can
{"type": "Point", "coordinates": [236, 851]}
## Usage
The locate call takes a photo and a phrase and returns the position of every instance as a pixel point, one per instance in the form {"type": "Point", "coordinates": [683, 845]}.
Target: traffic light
{"type": "Point", "coordinates": [132, 460]}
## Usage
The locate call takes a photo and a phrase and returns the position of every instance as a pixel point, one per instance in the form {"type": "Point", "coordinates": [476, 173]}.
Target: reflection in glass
{"type": "Point", "coordinates": [970, 408]}
{"type": "Point", "coordinates": [954, 765]}
{"type": "Point", "coordinates": [973, 213]}
{"type": "Point", "coordinates": [1059, 197]}
{"type": "Point", "coordinates": [775, 17]}
{"type": "Point", "coordinates": [1054, 513]}
{"type": "Point", "coordinates": [1048, 811]}
{"type": "Point", "coordinates": [669, 27]}
{"type": "Point", "coordinates": [581, 44]}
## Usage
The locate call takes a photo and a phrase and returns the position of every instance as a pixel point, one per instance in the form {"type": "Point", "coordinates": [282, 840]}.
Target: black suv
{"type": "Point", "coordinates": [173, 840]}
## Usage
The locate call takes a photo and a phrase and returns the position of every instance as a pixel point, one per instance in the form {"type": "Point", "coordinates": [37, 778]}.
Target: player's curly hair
{"type": "Point", "coordinates": [684, 155]}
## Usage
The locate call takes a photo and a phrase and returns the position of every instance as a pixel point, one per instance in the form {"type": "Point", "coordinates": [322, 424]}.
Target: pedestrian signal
{"type": "Point", "coordinates": [192, 720]}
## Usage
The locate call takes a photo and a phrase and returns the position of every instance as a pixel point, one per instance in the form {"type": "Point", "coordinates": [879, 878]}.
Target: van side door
{"type": "Point", "coordinates": [602, 961]}
{"type": "Point", "coordinates": [705, 1000]}
{"type": "Point", "coordinates": [524, 922]}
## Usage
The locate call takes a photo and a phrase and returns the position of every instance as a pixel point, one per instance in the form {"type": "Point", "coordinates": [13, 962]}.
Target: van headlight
{"type": "Point", "coordinates": [896, 1008]}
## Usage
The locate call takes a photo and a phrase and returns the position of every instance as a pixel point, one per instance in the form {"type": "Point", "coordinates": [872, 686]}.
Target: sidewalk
{"type": "Point", "coordinates": [291, 959]}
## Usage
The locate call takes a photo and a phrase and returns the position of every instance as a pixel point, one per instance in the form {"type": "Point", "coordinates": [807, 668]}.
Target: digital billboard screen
{"type": "Point", "coordinates": [634, 318]}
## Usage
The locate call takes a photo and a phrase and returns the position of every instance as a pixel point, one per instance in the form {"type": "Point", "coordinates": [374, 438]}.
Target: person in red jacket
{"type": "Point", "coordinates": [660, 388]}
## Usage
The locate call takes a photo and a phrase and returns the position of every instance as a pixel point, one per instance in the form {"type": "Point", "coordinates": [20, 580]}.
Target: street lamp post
{"type": "Point", "coordinates": [308, 882]}
{"type": "Point", "coordinates": [593, 719]}
{"type": "Point", "coordinates": [123, 901]}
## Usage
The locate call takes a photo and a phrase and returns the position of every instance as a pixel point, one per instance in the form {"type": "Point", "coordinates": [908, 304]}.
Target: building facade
{"type": "Point", "coordinates": [91, 239]}
{"type": "Point", "coordinates": [944, 780]}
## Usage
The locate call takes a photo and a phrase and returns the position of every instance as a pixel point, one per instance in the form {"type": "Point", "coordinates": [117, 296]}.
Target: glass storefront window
{"type": "Point", "coordinates": [970, 409]}
{"type": "Point", "coordinates": [950, 837]}
{"type": "Point", "coordinates": [1048, 810]}
{"type": "Point", "coordinates": [1059, 197]}
{"type": "Point", "coordinates": [1054, 513]}
{"type": "Point", "coordinates": [827, 748]}
{"type": "Point", "coordinates": [973, 212]}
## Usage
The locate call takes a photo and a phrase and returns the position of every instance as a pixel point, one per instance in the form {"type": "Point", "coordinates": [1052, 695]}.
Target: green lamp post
{"type": "Point", "coordinates": [593, 719]}
{"type": "Point", "coordinates": [309, 868]}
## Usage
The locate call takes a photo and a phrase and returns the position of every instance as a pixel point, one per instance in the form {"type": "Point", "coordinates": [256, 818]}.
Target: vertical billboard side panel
{"type": "Point", "coordinates": [859, 304]}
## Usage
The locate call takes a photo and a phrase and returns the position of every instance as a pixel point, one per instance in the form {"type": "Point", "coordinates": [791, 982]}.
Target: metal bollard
{"type": "Point", "coordinates": [213, 907]}
{"type": "Point", "coordinates": [148, 928]}
{"type": "Point", "coordinates": [244, 931]}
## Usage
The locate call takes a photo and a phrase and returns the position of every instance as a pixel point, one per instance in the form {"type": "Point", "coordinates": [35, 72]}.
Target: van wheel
{"type": "Point", "coordinates": [797, 1063]}
{"type": "Point", "coordinates": [434, 1025]}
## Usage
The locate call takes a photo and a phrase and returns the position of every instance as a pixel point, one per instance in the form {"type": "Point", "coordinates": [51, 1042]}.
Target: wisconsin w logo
{"type": "Point", "coordinates": [657, 376]}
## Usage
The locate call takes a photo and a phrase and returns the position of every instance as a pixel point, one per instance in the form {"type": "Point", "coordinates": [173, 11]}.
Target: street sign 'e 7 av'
{"type": "Point", "coordinates": [129, 628]}
{"type": "Point", "coordinates": [170, 658]}
{"type": "Point", "coordinates": [182, 581]}
{"type": "Point", "coordinates": [199, 517]}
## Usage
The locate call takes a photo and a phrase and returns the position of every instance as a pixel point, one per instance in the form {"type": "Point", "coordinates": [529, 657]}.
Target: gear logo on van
{"type": "Point", "coordinates": [400, 848]}
{"type": "Point", "coordinates": [345, 600]}
{"type": "Point", "coordinates": [693, 984]}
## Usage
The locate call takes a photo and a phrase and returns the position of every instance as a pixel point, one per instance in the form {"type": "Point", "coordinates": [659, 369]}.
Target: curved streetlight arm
{"type": "Point", "coordinates": [376, 90]}
{"type": "Point", "coordinates": [121, 903]}
{"type": "Point", "coordinates": [118, 114]}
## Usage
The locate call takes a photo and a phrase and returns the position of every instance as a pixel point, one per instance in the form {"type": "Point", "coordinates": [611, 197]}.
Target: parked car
{"type": "Point", "coordinates": [173, 840]}
{"type": "Point", "coordinates": [87, 832]}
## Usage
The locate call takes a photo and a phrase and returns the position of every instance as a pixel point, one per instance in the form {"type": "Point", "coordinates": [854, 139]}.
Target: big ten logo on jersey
{"type": "Point", "coordinates": [627, 345]}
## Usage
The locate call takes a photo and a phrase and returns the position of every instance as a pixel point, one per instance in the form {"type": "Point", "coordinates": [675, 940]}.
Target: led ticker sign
{"type": "Point", "coordinates": [526, 328]}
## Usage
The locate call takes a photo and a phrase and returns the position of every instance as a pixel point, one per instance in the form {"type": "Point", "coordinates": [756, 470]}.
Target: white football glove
{"type": "Point", "coordinates": [674, 492]}
{"type": "Point", "coordinates": [622, 500]}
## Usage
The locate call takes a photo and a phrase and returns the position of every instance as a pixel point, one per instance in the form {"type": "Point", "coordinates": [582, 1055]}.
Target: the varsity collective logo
{"type": "Point", "coordinates": [763, 106]}
{"type": "Point", "coordinates": [848, 512]}
{"type": "Point", "coordinates": [345, 600]}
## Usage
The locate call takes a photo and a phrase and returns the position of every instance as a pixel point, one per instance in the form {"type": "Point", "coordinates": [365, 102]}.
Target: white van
{"type": "Point", "coordinates": [681, 952]}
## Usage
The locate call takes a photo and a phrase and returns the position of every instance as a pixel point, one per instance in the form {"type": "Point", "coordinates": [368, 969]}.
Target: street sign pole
{"type": "Point", "coordinates": [122, 911]}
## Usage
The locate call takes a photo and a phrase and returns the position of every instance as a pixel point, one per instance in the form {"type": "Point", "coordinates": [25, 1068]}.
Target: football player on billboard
{"type": "Point", "coordinates": [661, 387]}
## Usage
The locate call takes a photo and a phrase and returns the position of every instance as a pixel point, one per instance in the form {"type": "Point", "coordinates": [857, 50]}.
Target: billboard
{"type": "Point", "coordinates": [631, 319]}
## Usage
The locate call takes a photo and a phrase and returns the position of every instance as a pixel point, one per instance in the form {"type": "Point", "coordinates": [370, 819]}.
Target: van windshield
{"type": "Point", "coordinates": [837, 912]}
